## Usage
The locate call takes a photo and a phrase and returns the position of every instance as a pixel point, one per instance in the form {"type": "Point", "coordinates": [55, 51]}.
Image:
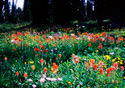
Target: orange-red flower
{"type": "Point", "coordinates": [43, 47]}
{"type": "Point", "coordinates": [27, 44]}
{"type": "Point", "coordinates": [16, 38]}
{"type": "Point", "coordinates": [101, 64]}
{"type": "Point", "coordinates": [41, 61]}
{"type": "Point", "coordinates": [92, 61]}
{"type": "Point", "coordinates": [59, 55]}
{"type": "Point", "coordinates": [108, 71]}
{"type": "Point", "coordinates": [95, 67]}
{"type": "Point", "coordinates": [36, 49]}
{"type": "Point", "coordinates": [52, 69]}
{"type": "Point", "coordinates": [14, 49]}
{"type": "Point", "coordinates": [101, 70]}
{"type": "Point", "coordinates": [115, 65]}
{"type": "Point", "coordinates": [89, 44]}
{"type": "Point", "coordinates": [5, 58]}
{"type": "Point", "coordinates": [41, 51]}
{"type": "Point", "coordinates": [77, 60]}
{"type": "Point", "coordinates": [45, 70]}
{"type": "Point", "coordinates": [55, 66]}
{"type": "Point", "coordinates": [73, 56]}
{"type": "Point", "coordinates": [33, 67]}
{"type": "Point", "coordinates": [24, 75]}
{"type": "Point", "coordinates": [87, 65]}
{"type": "Point", "coordinates": [104, 34]}
{"type": "Point", "coordinates": [122, 68]}
{"type": "Point", "coordinates": [46, 50]}
{"type": "Point", "coordinates": [17, 73]}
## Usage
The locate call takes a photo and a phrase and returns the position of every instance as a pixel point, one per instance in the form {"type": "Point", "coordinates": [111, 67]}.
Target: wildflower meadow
{"type": "Point", "coordinates": [62, 58]}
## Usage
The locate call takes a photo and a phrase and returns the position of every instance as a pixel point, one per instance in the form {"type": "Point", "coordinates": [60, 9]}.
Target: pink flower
{"type": "Point", "coordinates": [53, 79]}
{"type": "Point", "coordinates": [30, 80]}
{"type": "Point", "coordinates": [42, 80]}
{"type": "Point", "coordinates": [34, 86]}
{"type": "Point", "coordinates": [48, 78]}
{"type": "Point", "coordinates": [112, 53]}
{"type": "Point", "coordinates": [55, 48]}
{"type": "Point", "coordinates": [44, 76]}
{"type": "Point", "coordinates": [60, 79]}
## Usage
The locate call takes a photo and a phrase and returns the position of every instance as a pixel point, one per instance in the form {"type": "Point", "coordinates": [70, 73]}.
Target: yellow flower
{"type": "Point", "coordinates": [104, 66]}
{"type": "Point", "coordinates": [55, 71]}
{"type": "Point", "coordinates": [31, 62]}
{"type": "Point", "coordinates": [97, 51]}
{"type": "Point", "coordinates": [69, 82]}
{"type": "Point", "coordinates": [121, 62]}
{"type": "Point", "coordinates": [107, 57]}
{"type": "Point", "coordinates": [113, 60]}
{"type": "Point", "coordinates": [118, 58]}
{"type": "Point", "coordinates": [24, 62]}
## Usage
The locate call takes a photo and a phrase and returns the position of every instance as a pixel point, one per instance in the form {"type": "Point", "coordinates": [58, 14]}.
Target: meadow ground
{"type": "Point", "coordinates": [62, 57]}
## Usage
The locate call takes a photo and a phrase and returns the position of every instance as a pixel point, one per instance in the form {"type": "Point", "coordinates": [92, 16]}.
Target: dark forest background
{"type": "Point", "coordinates": [62, 12]}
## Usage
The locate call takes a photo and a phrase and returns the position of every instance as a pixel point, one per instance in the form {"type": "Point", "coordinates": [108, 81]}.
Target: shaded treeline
{"type": "Point", "coordinates": [10, 13]}
{"type": "Point", "coordinates": [61, 12]}
{"type": "Point", "coordinates": [64, 11]}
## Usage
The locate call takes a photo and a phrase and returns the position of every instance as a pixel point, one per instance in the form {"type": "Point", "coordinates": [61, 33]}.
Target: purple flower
{"type": "Point", "coordinates": [42, 80]}
{"type": "Point", "coordinates": [60, 79]}
{"type": "Point", "coordinates": [53, 79]}
{"type": "Point", "coordinates": [55, 34]}
{"type": "Point", "coordinates": [34, 86]}
{"type": "Point", "coordinates": [30, 80]}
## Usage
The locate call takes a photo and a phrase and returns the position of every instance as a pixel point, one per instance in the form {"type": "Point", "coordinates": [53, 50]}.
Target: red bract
{"type": "Point", "coordinates": [115, 65]}
{"type": "Point", "coordinates": [41, 61]}
{"type": "Point", "coordinates": [91, 62]}
{"type": "Point", "coordinates": [101, 64]}
{"type": "Point", "coordinates": [16, 38]}
{"type": "Point", "coordinates": [45, 70]}
{"type": "Point", "coordinates": [77, 60]}
{"type": "Point", "coordinates": [90, 40]}
{"type": "Point", "coordinates": [14, 49]}
{"type": "Point", "coordinates": [46, 50]}
{"type": "Point", "coordinates": [95, 67]}
{"type": "Point", "coordinates": [100, 46]}
{"type": "Point", "coordinates": [101, 70]}
{"type": "Point", "coordinates": [108, 71]}
{"type": "Point", "coordinates": [59, 55]}
{"type": "Point", "coordinates": [104, 34]}
{"type": "Point", "coordinates": [122, 68]}
{"type": "Point", "coordinates": [36, 49]}
{"type": "Point", "coordinates": [17, 73]}
{"type": "Point", "coordinates": [43, 47]}
{"type": "Point", "coordinates": [89, 44]}
{"type": "Point", "coordinates": [55, 66]}
{"type": "Point", "coordinates": [87, 65]}
{"type": "Point", "coordinates": [24, 75]}
{"type": "Point", "coordinates": [41, 51]}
